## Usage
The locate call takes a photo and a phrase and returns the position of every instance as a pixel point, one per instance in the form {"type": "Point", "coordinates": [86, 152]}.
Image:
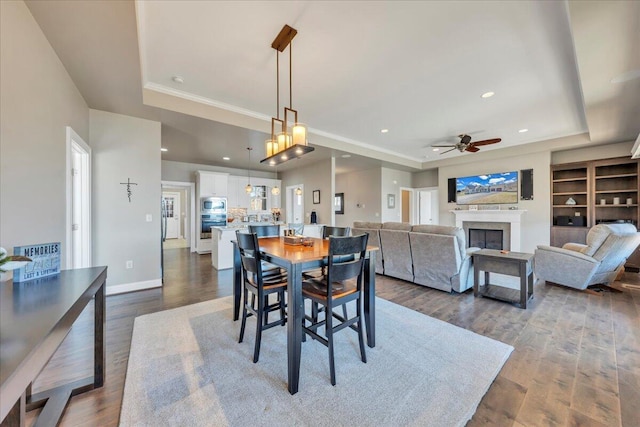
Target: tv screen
{"type": "Point", "coordinates": [487, 189]}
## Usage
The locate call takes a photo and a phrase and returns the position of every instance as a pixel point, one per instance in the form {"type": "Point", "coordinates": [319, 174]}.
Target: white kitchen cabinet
{"type": "Point", "coordinates": [212, 184]}
{"type": "Point", "coordinates": [232, 192]}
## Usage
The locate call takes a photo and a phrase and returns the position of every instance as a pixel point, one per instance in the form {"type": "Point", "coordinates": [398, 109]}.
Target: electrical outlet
{"type": "Point", "coordinates": [129, 265]}
{"type": "Point", "coordinates": [148, 218]}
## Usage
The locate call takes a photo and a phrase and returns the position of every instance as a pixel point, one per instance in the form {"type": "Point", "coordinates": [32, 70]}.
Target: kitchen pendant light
{"type": "Point", "coordinates": [287, 144]}
{"type": "Point", "coordinates": [298, 191]}
{"type": "Point", "coordinates": [248, 189]}
{"type": "Point", "coordinates": [276, 190]}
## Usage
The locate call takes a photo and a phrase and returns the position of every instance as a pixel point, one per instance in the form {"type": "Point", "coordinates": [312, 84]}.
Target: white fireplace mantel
{"type": "Point", "coordinates": [513, 217]}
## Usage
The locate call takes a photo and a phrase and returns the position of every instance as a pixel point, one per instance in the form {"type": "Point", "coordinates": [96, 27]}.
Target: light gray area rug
{"type": "Point", "coordinates": [186, 368]}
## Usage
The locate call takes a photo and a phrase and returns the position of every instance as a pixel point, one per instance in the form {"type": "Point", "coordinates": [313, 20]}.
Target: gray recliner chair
{"type": "Point", "coordinates": [598, 262]}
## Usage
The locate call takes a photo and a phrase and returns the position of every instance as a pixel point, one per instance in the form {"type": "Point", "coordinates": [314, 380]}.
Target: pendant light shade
{"type": "Point", "coordinates": [298, 191]}
{"type": "Point", "coordinates": [249, 188]}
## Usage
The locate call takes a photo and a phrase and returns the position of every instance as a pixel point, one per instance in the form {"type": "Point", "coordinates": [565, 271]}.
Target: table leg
{"type": "Point", "coordinates": [295, 311]}
{"type": "Point", "coordinates": [237, 281]}
{"type": "Point", "coordinates": [17, 415]}
{"type": "Point", "coordinates": [530, 279]}
{"type": "Point", "coordinates": [99, 343]}
{"type": "Point", "coordinates": [523, 285]}
{"type": "Point", "coordinates": [370, 298]}
{"type": "Point", "coordinates": [476, 278]}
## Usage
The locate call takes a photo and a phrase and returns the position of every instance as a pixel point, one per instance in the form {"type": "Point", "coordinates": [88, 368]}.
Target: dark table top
{"type": "Point", "coordinates": [29, 311]}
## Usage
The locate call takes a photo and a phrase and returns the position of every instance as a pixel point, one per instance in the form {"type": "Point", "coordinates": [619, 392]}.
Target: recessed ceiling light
{"type": "Point", "coordinates": [226, 158]}
{"type": "Point", "coordinates": [163, 149]}
{"type": "Point", "coordinates": [178, 79]}
{"type": "Point", "coordinates": [346, 156]}
{"type": "Point", "coordinates": [436, 149]}
{"type": "Point", "coordinates": [488, 94]}
{"type": "Point", "coordinates": [523, 130]}
{"type": "Point", "coordinates": [384, 130]}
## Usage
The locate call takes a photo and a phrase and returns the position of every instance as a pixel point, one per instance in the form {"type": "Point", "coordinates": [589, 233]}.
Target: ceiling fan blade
{"type": "Point", "coordinates": [443, 145]}
{"type": "Point", "coordinates": [487, 142]}
{"type": "Point", "coordinates": [444, 152]}
{"type": "Point", "coordinates": [472, 149]}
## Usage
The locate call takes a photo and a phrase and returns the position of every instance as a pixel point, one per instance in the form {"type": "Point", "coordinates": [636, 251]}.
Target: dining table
{"type": "Point", "coordinates": [296, 259]}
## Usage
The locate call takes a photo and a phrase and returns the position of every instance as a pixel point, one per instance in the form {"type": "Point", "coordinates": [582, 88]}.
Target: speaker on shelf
{"type": "Point", "coordinates": [451, 190]}
{"type": "Point", "coordinates": [526, 184]}
{"type": "Point", "coordinates": [575, 221]}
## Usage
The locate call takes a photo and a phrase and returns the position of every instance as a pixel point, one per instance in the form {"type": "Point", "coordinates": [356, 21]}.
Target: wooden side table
{"type": "Point", "coordinates": [518, 264]}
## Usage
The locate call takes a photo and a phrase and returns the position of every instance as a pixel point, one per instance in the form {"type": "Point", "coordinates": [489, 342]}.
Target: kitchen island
{"type": "Point", "coordinates": [221, 238]}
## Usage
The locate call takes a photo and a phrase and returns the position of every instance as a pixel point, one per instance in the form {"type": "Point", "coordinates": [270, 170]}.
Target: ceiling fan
{"type": "Point", "coordinates": [465, 144]}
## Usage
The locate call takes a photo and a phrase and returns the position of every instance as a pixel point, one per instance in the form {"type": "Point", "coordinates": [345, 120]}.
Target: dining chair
{"type": "Point", "coordinates": [298, 229]}
{"type": "Point", "coordinates": [335, 231]}
{"type": "Point", "coordinates": [342, 284]}
{"type": "Point", "coordinates": [268, 230]}
{"type": "Point", "coordinates": [260, 287]}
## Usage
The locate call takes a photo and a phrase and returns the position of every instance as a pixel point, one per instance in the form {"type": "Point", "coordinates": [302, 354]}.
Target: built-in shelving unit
{"type": "Point", "coordinates": [604, 191]}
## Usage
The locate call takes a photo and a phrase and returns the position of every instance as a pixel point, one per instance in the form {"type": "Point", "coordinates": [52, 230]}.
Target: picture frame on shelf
{"type": "Point", "coordinates": [316, 197]}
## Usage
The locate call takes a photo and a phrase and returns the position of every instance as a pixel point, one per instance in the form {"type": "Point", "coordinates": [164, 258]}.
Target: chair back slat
{"type": "Point", "coordinates": [344, 268]}
{"type": "Point", "coordinates": [265, 230]}
{"type": "Point", "coordinates": [249, 253]}
{"type": "Point", "coordinates": [335, 231]}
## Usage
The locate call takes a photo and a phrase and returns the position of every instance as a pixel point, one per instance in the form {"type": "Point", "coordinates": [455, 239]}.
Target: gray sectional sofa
{"type": "Point", "coordinates": [428, 255]}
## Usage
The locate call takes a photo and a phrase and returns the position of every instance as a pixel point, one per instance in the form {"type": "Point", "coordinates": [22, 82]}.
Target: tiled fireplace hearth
{"type": "Point", "coordinates": [508, 221]}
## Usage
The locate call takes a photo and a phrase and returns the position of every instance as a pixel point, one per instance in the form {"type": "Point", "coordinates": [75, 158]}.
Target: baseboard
{"type": "Point", "coordinates": [132, 287]}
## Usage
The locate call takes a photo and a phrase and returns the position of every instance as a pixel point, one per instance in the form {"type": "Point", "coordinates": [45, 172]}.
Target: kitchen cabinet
{"type": "Point", "coordinates": [212, 184]}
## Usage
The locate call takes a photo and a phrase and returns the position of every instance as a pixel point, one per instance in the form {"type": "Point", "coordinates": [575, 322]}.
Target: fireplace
{"type": "Point", "coordinates": [509, 221]}
{"type": "Point", "coordinates": [485, 239]}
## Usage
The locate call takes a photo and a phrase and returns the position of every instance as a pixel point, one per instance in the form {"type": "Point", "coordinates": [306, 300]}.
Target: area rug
{"type": "Point", "coordinates": [186, 368]}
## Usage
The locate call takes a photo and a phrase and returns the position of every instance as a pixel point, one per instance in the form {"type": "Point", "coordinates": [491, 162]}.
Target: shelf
{"type": "Point", "coordinates": [622, 175]}
{"type": "Point", "coordinates": [569, 206]}
{"type": "Point", "coordinates": [621, 205]}
{"type": "Point", "coordinates": [570, 227]}
{"type": "Point", "coordinates": [615, 191]}
{"type": "Point", "coordinates": [570, 179]}
{"type": "Point", "coordinates": [570, 193]}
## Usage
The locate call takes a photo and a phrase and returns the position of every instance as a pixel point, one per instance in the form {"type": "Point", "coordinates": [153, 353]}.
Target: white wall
{"type": "Point", "coordinates": [38, 101]}
{"type": "Point", "coordinates": [319, 176]}
{"type": "Point", "coordinates": [425, 179]}
{"type": "Point", "coordinates": [359, 188]}
{"type": "Point", "coordinates": [536, 221]}
{"type": "Point", "coordinates": [622, 149]}
{"type": "Point", "coordinates": [390, 182]}
{"type": "Point", "coordinates": [126, 147]}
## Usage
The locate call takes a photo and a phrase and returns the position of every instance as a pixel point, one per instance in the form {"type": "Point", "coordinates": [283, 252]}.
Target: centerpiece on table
{"type": "Point", "coordinates": [11, 262]}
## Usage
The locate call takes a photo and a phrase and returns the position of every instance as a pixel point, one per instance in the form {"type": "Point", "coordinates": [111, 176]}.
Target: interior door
{"type": "Point", "coordinates": [172, 213]}
{"type": "Point", "coordinates": [425, 207]}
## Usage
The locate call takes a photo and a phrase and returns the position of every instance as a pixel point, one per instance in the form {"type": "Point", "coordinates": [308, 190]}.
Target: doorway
{"type": "Point", "coordinates": [406, 204]}
{"type": "Point", "coordinates": [295, 204]}
{"type": "Point", "coordinates": [78, 216]}
{"type": "Point", "coordinates": [178, 215]}
{"type": "Point", "coordinates": [428, 212]}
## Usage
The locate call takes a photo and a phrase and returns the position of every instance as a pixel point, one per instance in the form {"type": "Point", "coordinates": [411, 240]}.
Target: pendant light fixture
{"type": "Point", "coordinates": [249, 188]}
{"type": "Point", "coordinates": [276, 190]}
{"type": "Point", "coordinates": [298, 191]}
{"type": "Point", "coordinates": [288, 144]}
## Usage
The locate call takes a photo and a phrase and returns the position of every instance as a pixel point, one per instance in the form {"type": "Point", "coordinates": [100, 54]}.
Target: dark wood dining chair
{"type": "Point", "coordinates": [260, 287]}
{"type": "Point", "coordinates": [328, 231]}
{"type": "Point", "coordinates": [342, 284]}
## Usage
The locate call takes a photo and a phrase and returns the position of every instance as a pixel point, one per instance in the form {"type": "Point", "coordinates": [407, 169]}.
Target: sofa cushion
{"type": "Point", "coordinates": [457, 232]}
{"type": "Point", "coordinates": [595, 238]}
{"type": "Point", "coordinates": [402, 226]}
{"type": "Point", "coordinates": [366, 224]}
{"type": "Point", "coordinates": [396, 253]}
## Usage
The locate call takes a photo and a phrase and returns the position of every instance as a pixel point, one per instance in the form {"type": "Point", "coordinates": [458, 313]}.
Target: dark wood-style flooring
{"type": "Point", "coordinates": [576, 360]}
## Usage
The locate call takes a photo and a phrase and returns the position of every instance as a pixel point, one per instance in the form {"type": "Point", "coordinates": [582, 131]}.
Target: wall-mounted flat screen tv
{"type": "Point", "coordinates": [489, 189]}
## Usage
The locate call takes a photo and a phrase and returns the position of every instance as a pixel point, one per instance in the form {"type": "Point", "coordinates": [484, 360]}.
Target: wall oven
{"type": "Point", "coordinates": [213, 213]}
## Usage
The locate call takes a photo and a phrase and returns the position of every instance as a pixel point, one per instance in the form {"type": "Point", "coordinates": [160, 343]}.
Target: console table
{"type": "Point", "coordinates": [35, 317]}
{"type": "Point", "coordinates": [517, 264]}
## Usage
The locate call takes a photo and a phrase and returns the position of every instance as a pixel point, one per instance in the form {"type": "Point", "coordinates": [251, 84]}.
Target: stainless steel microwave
{"type": "Point", "coordinates": [213, 205]}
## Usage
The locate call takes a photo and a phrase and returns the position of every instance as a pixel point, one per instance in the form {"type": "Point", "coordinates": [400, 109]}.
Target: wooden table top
{"type": "Point", "coordinates": [275, 246]}
{"type": "Point", "coordinates": [519, 256]}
